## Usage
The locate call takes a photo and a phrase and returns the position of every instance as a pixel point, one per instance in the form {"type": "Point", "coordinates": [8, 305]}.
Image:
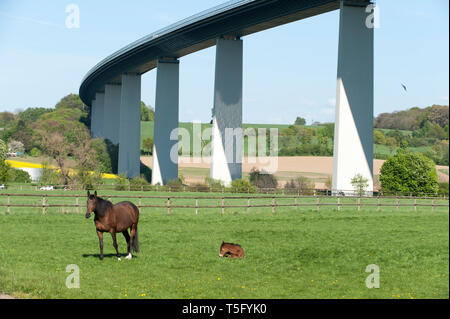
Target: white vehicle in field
{"type": "Point", "coordinates": [46, 188]}
{"type": "Point", "coordinates": [2, 186]}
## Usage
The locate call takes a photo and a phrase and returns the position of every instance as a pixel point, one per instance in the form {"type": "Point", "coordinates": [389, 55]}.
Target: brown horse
{"type": "Point", "coordinates": [231, 250]}
{"type": "Point", "coordinates": [114, 219]}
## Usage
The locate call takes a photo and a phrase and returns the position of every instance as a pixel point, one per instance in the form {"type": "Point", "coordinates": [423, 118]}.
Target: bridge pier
{"type": "Point", "coordinates": [112, 112]}
{"type": "Point", "coordinates": [353, 138]}
{"type": "Point", "coordinates": [130, 125]}
{"type": "Point", "coordinates": [226, 152]}
{"type": "Point", "coordinates": [165, 137]}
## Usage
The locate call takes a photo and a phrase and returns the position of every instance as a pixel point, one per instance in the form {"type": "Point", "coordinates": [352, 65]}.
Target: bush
{"type": "Point", "coordinates": [301, 185]}
{"type": "Point", "coordinates": [261, 179]}
{"type": "Point", "coordinates": [19, 176]}
{"type": "Point", "coordinates": [5, 172]}
{"type": "Point", "coordinates": [443, 188]}
{"type": "Point", "coordinates": [175, 185]}
{"type": "Point", "coordinates": [242, 186]}
{"type": "Point", "coordinates": [121, 183]}
{"type": "Point", "coordinates": [200, 187]}
{"type": "Point", "coordinates": [215, 184]}
{"type": "Point", "coordinates": [87, 179]}
{"type": "Point", "coordinates": [138, 183]}
{"type": "Point", "coordinates": [360, 184]}
{"type": "Point", "coordinates": [35, 152]}
{"type": "Point", "coordinates": [49, 176]}
{"type": "Point", "coordinates": [408, 172]}
{"type": "Point", "coordinates": [106, 155]}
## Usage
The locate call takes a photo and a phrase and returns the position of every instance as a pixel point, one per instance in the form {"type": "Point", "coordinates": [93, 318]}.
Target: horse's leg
{"type": "Point", "coordinates": [127, 238]}
{"type": "Point", "coordinates": [113, 235]}
{"type": "Point", "coordinates": [100, 239]}
{"type": "Point", "coordinates": [132, 235]}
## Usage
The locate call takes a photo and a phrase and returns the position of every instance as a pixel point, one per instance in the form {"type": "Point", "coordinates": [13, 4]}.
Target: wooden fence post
{"type": "Point", "coordinates": [396, 201]}
{"type": "Point", "coordinates": [43, 204]}
{"type": "Point", "coordinates": [415, 204]}
{"type": "Point", "coordinates": [248, 205]}
{"type": "Point", "coordinates": [168, 205]}
{"type": "Point", "coordinates": [317, 203]}
{"type": "Point", "coordinates": [339, 203]}
{"type": "Point", "coordinates": [223, 204]}
{"type": "Point", "coordinates": [9, 204]}
{"type": "Point", "coordinates": [432, 205]}
{"type": "Point", "coordinates": [378, 203]}
{"type": "Point", "coordinates": [273, 204]}
{"type": "Point", "coordinates": [77, 206]}
{"type": "Point", "coordinates": [140, 202]}
{"type": "Point", "coordinates": [196, 206]}
{"type": "Point", "coordinates": [359, 204]}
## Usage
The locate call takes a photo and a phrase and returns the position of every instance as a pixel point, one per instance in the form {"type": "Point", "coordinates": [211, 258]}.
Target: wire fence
{"type": "Point", "coordinates": [77, 202]}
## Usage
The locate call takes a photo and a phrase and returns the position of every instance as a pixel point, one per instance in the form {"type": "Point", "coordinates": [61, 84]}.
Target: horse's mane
{"type": "Point", "coordinates": [102, 205]}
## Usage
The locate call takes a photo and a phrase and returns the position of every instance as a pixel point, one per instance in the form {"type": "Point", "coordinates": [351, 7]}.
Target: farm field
{"type": "Point", "coordinates": [317, 168]}
{"type": "Point", "coordinates": [291, 253]}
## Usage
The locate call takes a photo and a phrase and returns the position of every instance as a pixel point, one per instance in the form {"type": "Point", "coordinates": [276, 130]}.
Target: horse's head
{"type": "Point", "coordinates": [222, 250]}
{"type": "Point", "coordinates": [91, 203]}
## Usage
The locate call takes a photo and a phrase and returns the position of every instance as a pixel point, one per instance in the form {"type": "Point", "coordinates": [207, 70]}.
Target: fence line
{"type": "Point", "coordinates": [222, 189]}
{"type": "Point", "coordinates": [226, 197]}
{"type": "Point", "coordinates": [273, 205]}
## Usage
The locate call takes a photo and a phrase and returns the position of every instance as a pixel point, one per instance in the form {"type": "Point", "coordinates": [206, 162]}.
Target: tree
{"type": "Point", "coordinates": [261, 179]}
{"type": "Point", "coordinates": [241, 185]}
{"type": "Point", "coordinates": [301, 184]}
{"type": "Point", "coordinates": [23, 133]}
{"type": "Point", "coordinates": [360, 184]}
{"type": "Point", "coordinates": [48, 175]}
{"type": "Point", "coordinates": [408, 172]}
{"type": "Point", "coordinates": [147, 113]}
{"type": "Point", "coordinates": [300, 121]}
{"type": "Point", "coordinates": [3, 151]}
{"type": "Point", "coordinates": [147, 144]}
{"type": "Point", "coordinates": [19, 176]}
{"type": "Point", "coordinates": [32, 114]}
{"type": "Point", "coordinates": [378, 137]}
{"type": "Point", "coordinates": [55, 146]}
{"type": "Point", "coordinates": [5, 172]}
{"type": "Point", "coordinates": [88, 174]}
{"type": "Point", "coordinates": [59, 133]}
{"type": "Point", "coordinates": [15, 146]}
{"type": "Point", "coordinates": [391, 142]}
{"type": "Point", "coordinates": [72, 101]}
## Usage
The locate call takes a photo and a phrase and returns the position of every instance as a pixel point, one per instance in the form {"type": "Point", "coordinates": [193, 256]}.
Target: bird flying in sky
{"type": "Point", "coordinates": [404, 87]}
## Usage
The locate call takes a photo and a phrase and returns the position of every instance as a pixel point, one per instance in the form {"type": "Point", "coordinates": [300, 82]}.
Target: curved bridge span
{"type": "Point", "coordinates": [112, 88]}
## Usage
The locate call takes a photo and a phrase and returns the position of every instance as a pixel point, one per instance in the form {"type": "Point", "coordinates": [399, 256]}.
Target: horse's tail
{"type": "Point", "coordinates": [136, 241]}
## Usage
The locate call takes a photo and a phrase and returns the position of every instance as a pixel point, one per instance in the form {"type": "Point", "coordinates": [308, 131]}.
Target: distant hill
{"type": "Point", "coordinates": [414, 118]}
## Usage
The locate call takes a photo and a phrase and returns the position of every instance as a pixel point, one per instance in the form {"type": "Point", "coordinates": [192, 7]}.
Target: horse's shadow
{"type": "Point", "coordinates": [105, 256]}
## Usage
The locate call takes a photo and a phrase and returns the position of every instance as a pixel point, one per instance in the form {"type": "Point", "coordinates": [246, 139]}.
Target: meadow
{"type": "Point", "coordinates": [291, 253]}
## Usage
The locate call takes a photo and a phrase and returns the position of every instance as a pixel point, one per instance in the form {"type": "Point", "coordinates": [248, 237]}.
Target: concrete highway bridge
{"type": "Point", "coordinates": [112, 88]}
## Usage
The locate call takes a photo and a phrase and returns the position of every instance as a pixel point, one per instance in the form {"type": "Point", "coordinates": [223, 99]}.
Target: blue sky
{"type": "Point", "coordinates": [289, 71]}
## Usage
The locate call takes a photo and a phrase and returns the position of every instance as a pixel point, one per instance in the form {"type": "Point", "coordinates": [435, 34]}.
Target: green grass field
{"type": "Point", "coordinates": [292, 253]}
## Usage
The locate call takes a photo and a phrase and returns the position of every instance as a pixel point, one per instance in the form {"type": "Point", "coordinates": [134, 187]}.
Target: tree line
{"type": "Point", "coordinates": [62, 135]}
